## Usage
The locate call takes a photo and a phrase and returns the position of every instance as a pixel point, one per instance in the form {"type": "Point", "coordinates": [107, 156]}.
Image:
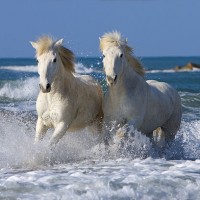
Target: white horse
{"type": "Point", "coordinates": [66, 101]}
{"type": "Point", "coordinates": [151, 107]}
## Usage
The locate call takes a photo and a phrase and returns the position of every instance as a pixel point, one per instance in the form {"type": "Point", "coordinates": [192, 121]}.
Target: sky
{"type": "Point", "coordinates": [152, 27]}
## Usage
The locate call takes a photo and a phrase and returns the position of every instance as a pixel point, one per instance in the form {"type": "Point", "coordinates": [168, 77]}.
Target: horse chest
{"type": "Point", "coordinates": [51, 117]}
{"type": "Point", "coordinates": [51, 110]}
{"type": "Point", "coordinates": [117, 108]}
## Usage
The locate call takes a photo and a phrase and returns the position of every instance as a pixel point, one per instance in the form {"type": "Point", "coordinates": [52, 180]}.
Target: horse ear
{"type": "Point", "coordinates": [34, 45]}
{"type": "Point", "coordinates": [58, 42]}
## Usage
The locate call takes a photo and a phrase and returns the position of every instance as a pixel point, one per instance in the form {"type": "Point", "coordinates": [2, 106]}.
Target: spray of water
{"type": "Point", "coordinates": [18, 150]}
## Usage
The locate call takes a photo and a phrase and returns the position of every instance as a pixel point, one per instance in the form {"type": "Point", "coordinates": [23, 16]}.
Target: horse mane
{"type": "Point", "coordinates": [112, 39]}
{"type": "Point", "coordinates": [46, 43]}
{"type": "Point", "coordinates": [67, 58]}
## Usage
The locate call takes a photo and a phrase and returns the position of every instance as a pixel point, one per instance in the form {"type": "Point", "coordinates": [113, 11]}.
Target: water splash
{"type": "Point", "coordinates": [17, 148]}
{"type": "Point", "coordinates": [20, 90]}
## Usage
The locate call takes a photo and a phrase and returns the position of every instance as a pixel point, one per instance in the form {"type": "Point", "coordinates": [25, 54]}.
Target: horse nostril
{"type": "Point", "coordinates": [48, 86]}
{"type": "Point", "coordinates": [115, 78]}
{"type": "Point", "coordinates": [40, 86]}
{"type": "Point", "coordinates": [109, 79]}
{"type": "Point", "coordinates": [112, 80]}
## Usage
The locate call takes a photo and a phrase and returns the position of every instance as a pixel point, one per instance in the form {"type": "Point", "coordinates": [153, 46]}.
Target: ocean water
{"type": "Point", "coordinates": [80, 169]}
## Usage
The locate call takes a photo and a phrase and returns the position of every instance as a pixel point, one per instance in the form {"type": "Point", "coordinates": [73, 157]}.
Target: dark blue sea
{"type": "Point", "coordinates": [78, 171]}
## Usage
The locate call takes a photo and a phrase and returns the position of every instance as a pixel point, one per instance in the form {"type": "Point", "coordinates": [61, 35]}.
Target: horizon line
{"type": "Point", "coordinates": [178, 56]}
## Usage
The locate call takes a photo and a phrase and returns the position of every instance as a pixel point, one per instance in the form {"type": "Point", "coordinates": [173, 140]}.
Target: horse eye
{"type": "Point", "coordinates": [54, 60]}
{"type": "Point", "coordinates": [37, 61]}
{"type": "Point", "coordinates": [121, 55]}
{"type": "Point", "coordinates": [103, 56]}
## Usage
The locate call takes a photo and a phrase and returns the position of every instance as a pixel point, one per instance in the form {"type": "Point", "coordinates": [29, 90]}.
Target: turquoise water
{"type": "Point", "coordinates": [81, 171]}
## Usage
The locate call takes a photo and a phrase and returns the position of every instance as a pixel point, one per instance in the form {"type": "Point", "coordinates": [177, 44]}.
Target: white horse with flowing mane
{"type": "Point", "coordinates": [66, 101]}
{"type": "Point", "coordinates": [151, 107]}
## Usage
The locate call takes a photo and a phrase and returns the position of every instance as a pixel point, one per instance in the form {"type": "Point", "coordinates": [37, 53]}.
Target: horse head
{"type": "Point", "coordinates": [48, 61]}
{"type": "Point", "coordinates": [116, 56]}
{"type": "Point", "coordinates": [113, 62]}
{"type": "Point", "coordinates": [112, 47]}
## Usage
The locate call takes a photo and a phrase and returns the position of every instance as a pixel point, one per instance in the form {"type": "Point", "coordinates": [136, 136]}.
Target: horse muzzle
{"type": "Point", "coordinates": [111, 80]}
{"type": "Point", "coordinates": [45, 89]}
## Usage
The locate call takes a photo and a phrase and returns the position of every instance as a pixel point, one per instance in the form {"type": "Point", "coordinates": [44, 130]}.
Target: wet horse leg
{"type": "Point", "coordinates": [59, 132]}
{"type": "Point", "coordinates": [159, 137]}
{"type": "Point", "coordinates": [41, 130]}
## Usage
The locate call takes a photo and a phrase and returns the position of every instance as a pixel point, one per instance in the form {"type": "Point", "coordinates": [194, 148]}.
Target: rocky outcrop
{"type": "Point", "coordinates": [190, 66]}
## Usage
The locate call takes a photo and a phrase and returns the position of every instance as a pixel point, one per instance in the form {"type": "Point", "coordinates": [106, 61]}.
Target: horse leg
{"type": "Point", "coordinates": [171, 127]}
{"type": "Point", "coordinates": [99, 127]}
{"type": "Point", "coordinates": [158, 140]}
{"type": "Point", "coordinates": [58, 133]}
{"type": "Point", "coordinates": [41, 130]}
{"type": "Point", "coordinates": [98, 124]}
{"type": "Point", "coordinates": [162, 137]}
{"type": "Point", "coordinates": [159, 137]}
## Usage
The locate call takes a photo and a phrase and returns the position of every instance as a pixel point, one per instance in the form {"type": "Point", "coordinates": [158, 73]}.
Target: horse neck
{"type": "Point", "coordinates": [129, 78]}
{"type": "Point", "coordinates": [63, 80]}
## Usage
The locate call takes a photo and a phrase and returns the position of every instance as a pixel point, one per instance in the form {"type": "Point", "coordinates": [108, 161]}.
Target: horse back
{"type": "Point", "coordinates": [162, 92]}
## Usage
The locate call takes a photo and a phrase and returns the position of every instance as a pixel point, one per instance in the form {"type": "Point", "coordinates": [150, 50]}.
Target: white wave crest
{"type": "Point", "coordinates": [28, 68]}
{"type": "Point", "coordinates": [28, 89]}
{"type": "Point", "coordinates": [79, 68]}
{"type": "Point", "coordinates": [171, 71]}
{"type": "Point", "coordinates": [21, 90]}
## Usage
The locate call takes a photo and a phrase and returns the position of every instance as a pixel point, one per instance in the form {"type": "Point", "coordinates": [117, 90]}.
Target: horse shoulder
{"type": "Point", "coordinates": [135, 94]}
{"type": "Point", "coordinates": [60, 107]}
{"type": "Point", "coordinates": [41, 104]}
